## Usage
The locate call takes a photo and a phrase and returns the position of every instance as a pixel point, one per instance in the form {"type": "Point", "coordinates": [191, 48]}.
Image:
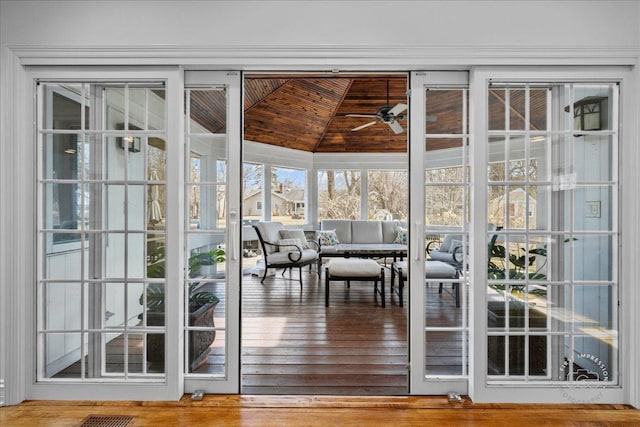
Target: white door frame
{"type": "Point", "coordinates": [230, 382]}
{"type": "Point", "coordinates": [419, 383]}
{"type": "Point", "coordinates": [171, 387]}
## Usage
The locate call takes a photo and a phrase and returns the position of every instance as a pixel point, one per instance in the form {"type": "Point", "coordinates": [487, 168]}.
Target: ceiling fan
{"type": "Point", "coordinates": [386, 114]}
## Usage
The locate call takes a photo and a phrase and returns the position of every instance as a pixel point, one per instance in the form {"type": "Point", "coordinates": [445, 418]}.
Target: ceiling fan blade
{"type": "Point", "coordinates": [360, 115]}
{"type": "Point", "coordinates": [364, 126]}
{"type": "Point", "coordinates": [395, 127]}
{"type": "Point", "coordinates": [399, 108]}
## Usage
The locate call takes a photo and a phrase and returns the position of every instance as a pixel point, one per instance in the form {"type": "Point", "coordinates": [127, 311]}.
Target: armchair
{"type": "Point", "coordinates": [283, 248]}
{"type": "Point", "coordinates": [448, 250]}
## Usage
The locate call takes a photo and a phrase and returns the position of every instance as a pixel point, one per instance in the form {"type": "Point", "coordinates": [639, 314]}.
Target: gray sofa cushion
{"type": "Point", "coordinates": [366, 232]}
{"type": "Point", "coordinates": [360, 232]}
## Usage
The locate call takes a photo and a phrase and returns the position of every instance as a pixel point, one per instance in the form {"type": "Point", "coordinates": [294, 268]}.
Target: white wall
{"type": "Point", "coordinates": [279, 35]}
{"type": "Point", "coordinates": [316, 23]}
{"type": "Point", "coordinates": [355, 34]}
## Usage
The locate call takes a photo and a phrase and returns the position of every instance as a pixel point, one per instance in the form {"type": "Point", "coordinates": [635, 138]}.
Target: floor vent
{"type": "Point", "coordinates": [106, 421]}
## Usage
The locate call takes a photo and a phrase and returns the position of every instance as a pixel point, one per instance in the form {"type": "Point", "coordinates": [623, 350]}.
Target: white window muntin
{"type": "Point", "coordinates": [82, 281]}
{"type": "Point", "coordinates": [512, 234]}
{"type": "Point", "coordinates": [480, 390]}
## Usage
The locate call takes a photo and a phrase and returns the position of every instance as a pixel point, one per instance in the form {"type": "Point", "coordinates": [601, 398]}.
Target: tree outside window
{"type": "Point", "coordinates": [388, 190]}
{"type": "Point", "coordinates": [338, 194]}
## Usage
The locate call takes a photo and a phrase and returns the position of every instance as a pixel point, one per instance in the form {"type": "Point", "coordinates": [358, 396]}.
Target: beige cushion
{"type": "Point", "coordinates": [283, 257]}
{"type": "Point", "coordinates": [295, 234]}
{"type": "Point", "coordinates": [290, 245]}
{"type": "Point", "coordinates": [353, 267]}
{"type": "Point", "coordinates": [270, 231]}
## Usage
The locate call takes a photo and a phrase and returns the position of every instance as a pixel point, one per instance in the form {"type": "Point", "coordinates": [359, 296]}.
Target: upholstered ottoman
{"type": "Point", "coordinates": [432, 270]}
{"type": "Point", "coordinates": [347, 269]}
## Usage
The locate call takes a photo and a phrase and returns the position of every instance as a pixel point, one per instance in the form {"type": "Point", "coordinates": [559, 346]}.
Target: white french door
{"type": "Point", "coordinates": [549, 316]}
{"type": "Point", "coordinates": [213, 162]}
{"type": "Point", "coordinates": [439, 183]}
{"type": "Point", "coordinates": [136, 221]}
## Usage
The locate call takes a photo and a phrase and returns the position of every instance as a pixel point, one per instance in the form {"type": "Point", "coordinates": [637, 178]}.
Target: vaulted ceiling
{"type": "Point", "coordinates": [311, 112]}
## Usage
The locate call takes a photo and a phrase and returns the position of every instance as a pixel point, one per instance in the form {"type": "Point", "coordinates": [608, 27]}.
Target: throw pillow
{"type": "Point", "coordinates": [401, 236]}
{"type": "Point", "coordinates": [289, 245]}
{"type": "Point", "coordinates": [327, 238]}
{"type": "Point", "coordinates": [295, 234]}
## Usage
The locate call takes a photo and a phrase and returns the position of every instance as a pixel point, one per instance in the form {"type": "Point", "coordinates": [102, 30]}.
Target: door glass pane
{"type": "Point", "coordinates": [446, 218]}
{"type": "Point", "coordinates": [445, 353]}
{"type": "Point", "coordinates": [206, 199]}
{"type": "Point", "coordinates": [551, 266]}
{"type": "Point", "coordinates": [93, 232]}
{"type": "Point", "coordinates": [446, 111]}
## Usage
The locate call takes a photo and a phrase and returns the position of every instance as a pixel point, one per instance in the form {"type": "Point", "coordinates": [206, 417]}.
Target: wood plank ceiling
{"type": "Point", "coordinates": [309, 112]}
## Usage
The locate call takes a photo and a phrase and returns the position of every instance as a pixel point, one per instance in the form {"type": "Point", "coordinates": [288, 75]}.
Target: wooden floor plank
{"type": "Point", "coordinates": [299, 346]}
{"type": "Point", "coordinates": [293, 344]}
{"type": "Point", "coordinates": [318, 410]}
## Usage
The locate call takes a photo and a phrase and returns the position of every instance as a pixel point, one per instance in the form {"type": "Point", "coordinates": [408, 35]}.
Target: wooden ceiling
{"type": "Point", "coordinates": [309, 112]}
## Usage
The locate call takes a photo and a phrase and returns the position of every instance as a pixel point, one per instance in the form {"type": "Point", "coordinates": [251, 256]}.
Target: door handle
{"type": "Point", "coordinates": [416, 246]}
{"type": "Point", "coordinates": [234, 234]}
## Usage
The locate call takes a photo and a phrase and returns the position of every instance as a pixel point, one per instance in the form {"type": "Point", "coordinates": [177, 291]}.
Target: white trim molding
{"type": "Point", "coordinates": [15, 226]}
{"type": "Point", "coordinates": [326, 58]}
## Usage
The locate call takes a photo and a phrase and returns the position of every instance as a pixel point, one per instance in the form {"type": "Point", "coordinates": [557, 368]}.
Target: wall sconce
{"type": "Point", "coordinates": [130, 142]}
{"type": "Point", "coordinates": [589, 113]}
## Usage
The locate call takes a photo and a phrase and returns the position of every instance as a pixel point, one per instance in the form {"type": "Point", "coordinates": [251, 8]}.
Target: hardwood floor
{"type": "Point", "coordinates": [269, 411]}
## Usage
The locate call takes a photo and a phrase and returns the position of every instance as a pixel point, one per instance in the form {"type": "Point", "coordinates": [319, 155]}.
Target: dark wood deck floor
{"type": "Point", "coordinates": [293, 344]}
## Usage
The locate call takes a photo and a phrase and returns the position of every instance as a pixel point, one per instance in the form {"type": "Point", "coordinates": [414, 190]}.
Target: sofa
{"type": "Point", "coordinates": [344, 237]}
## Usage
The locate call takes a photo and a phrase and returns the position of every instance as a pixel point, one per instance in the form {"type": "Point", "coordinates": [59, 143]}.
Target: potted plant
{"type": "Point", "coordinates": [202, 304]}
{"type": "Point", "coordinates": [520, 267]}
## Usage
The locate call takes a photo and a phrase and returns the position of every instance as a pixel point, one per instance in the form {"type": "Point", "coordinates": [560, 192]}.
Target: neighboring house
{"type": "Point", "coordinates": [517, 210]}
{"type": "Point", "coordinates": [289, 202]}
